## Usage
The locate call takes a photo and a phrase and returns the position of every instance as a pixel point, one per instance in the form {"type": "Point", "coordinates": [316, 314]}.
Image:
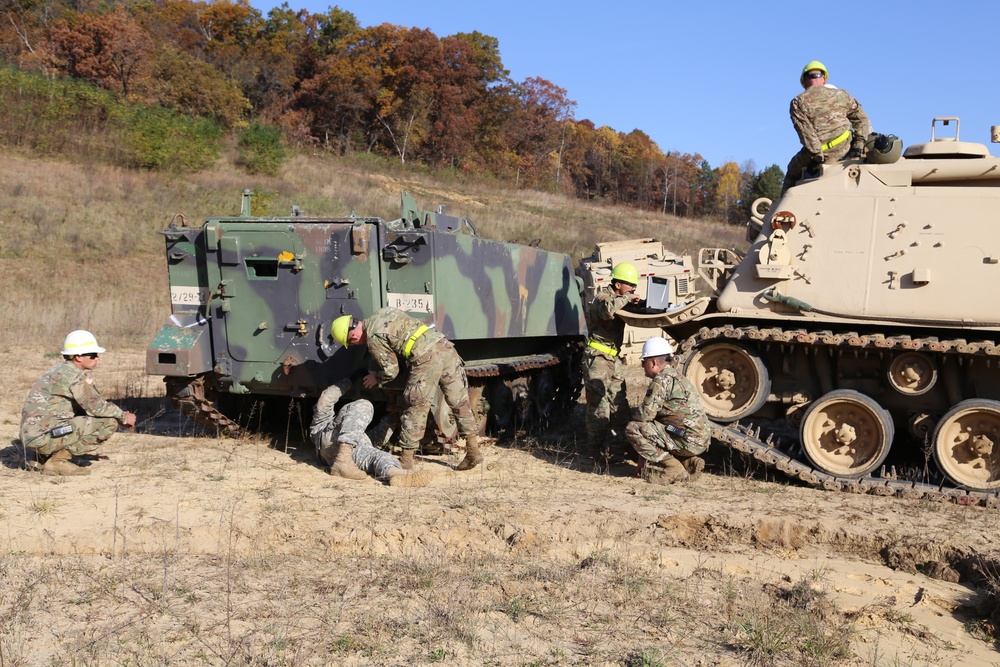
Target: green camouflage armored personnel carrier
{"type": "Point", "coordinates": [252, 300]}
{"type": "Point", "coordinates": [863, 315]}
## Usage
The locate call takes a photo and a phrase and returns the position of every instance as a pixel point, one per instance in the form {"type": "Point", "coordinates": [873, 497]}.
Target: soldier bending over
{"type": "Point", "coordinates": [390, 335]}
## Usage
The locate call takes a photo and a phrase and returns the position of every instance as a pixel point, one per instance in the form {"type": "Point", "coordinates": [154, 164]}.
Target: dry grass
{"type": "Point", "coordinates": [80, 245]}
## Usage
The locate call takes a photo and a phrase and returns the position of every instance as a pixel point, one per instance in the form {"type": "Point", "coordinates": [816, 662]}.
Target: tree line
{"type": "Point", "coordinates": [324, 81]}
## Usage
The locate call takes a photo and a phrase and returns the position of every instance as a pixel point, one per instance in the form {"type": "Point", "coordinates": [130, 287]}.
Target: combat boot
{"type": "Point", "coordinates": [693, 465]}
{"type": "Point", "coordinates": [406, 458]}
{"type": "Point", "coordinates": [666, 472]}
{"type": "Point", "coordinates": [343, 463]}
{"type": "Point", "coordinates": [473, 456]}
{"type": "Point", "coordinates": [411, 479]}
{"type": "Point", "coordinates": [32, 461]}
{"type": "Point", "coordinates": [60, 465]}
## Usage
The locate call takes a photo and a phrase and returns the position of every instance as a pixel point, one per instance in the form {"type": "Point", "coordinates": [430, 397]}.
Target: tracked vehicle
{"type": "Point", "coordinates": [252, 299]}
{"type": "Point", "coordinates": [664, 278]}
{"type": "Point", "coordinates": [864, 314]}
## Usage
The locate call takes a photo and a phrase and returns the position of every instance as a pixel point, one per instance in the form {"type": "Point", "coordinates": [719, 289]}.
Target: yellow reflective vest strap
{"type": "Point", "coordinates": [839, 140]}
{"type": "Point", "coordinates": [600, 347]}
{"type": "Point", "coordinates": [413, 339]}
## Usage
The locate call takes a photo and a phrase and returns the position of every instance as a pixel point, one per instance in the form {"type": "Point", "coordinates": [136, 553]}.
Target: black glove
{"type": "Point", "coordinates": [854, 153]}
{"type": "Point", "coordinates": [819, 158]}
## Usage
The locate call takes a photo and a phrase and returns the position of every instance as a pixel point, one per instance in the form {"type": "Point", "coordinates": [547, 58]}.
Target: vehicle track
{"type": "Point", "coordinates": [752, 438]}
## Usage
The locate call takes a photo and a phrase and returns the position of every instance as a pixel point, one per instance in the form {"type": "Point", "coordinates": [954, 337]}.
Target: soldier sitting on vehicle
{"type": "Point", "coordinates": [670, 429]}
{"type": "Point", "coordinates": [342, 442]}
{"type": "Point", "coordinates": [830, 123]}
{"type": "Point", "coordinates": [64, 415]}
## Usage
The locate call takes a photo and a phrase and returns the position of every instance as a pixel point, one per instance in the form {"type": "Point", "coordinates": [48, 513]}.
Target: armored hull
{"type": "Point", "coordinates": [252, 300]}
{"type": "Point", "coordinates": [863, 314]}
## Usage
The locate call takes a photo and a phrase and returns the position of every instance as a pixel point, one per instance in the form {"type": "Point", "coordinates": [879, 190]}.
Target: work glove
{"type": "Point", "coordinates": [819, 158]}
{"type": "Point", "coordinates": [854, 153]}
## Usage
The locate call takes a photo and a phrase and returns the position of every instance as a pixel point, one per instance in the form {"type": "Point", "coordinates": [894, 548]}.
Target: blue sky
{"type": "Point", "coordinates": [716, 77]}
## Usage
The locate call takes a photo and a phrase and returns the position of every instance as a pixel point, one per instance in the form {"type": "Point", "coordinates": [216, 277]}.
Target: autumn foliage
{"type": "Point", "coordinates": [327, 83]}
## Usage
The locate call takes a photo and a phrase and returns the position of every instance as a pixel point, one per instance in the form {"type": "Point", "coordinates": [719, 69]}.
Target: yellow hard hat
{"type": "Point", "coordinates": [340, 328]}
{"type": "Point", "coordinates": [625, 273]}
{"type": "Point", "coordinates": [811, 66]}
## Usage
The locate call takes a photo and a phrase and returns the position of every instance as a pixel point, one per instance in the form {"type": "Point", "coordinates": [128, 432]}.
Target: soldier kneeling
{"type": "Point", "coordinates": [669, 430]}
{"type": "Point", "coordinates": [64, 414]}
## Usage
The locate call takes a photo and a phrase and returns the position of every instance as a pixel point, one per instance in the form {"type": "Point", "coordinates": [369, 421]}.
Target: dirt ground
{"type": "Point", "coordinates": [185, 549]}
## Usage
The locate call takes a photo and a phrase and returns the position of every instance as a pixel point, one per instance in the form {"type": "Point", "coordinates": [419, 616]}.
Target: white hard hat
{"type": "Point", "coordinates": [656, 347]}
{"type": "Point", "coordinates": [80, 342]}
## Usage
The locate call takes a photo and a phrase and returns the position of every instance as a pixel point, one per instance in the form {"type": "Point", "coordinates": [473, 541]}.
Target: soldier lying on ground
{"type": "Point", "coordinates": [670, 429]}
{"type": "Point", "coordinates": [342, 442]}
{"type": "Point", "coordinates": [64, 415]}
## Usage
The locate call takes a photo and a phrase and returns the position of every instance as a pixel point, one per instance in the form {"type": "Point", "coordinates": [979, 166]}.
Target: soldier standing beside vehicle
{"type": "Point", "coordinates": [64, 415]}
{"type": "Point", "coordinates": [342, 442]}
{"type": "Point", "coordinates": [391, 334]}
{"type": "Point", "coordinates": [830, 123]}
{"type": "Point", "coordinates": [670, 429]}
{"type": "Point", "coordinates": [602, 366]}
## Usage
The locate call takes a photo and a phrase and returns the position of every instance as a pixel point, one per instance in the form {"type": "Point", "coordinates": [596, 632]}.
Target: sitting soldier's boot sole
{"type": "Point", "coordinates": [406, 479]}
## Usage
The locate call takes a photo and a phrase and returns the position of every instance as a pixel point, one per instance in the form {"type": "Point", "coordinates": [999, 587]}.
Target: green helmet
{"type": "Point", "coordinates": [625, 273]}
{"type": "Point", "coordinates": [340, 328]}
{"type": "Point", "coordinates": [810, 66]}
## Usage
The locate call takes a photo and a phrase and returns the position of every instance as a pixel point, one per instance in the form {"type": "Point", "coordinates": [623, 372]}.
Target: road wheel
{"type": "Point", "coordinates": [846, 433]}
{"type": "Point", "coordinates": [967, 444]}
{"type": "Point", "coordinates": [730, 378]}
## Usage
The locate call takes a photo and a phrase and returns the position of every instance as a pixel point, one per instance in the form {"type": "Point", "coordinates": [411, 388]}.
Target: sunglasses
{"type": "Point", "coordinates": [815, 75]}
{"type": "Point", "coordinates": [91, 355]}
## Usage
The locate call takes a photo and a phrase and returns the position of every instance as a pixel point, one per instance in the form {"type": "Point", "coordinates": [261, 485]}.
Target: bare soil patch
{"type": "Point", "coordinates": [186, 549]}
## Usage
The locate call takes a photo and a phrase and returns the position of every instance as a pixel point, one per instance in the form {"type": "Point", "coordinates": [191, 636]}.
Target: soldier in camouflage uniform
{"type": "Point", "coordinates": [830, 123]}
{"type": "Point", "coordinates": [670, 428]}
{"type": "Point", "coordinates": [391, 334]}
{"type": "Point", "coordinates": [342, 441]}
{"type": "Point", "coordinates": [602, 367]}
{"type": "Point", "coordinates": [64, 414]}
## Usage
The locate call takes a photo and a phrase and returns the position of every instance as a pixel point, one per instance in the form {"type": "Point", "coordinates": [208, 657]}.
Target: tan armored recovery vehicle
{"type": "Point", "coordinates": [667, 281]}
{"type": "Point", "coordinates": [864, 315]}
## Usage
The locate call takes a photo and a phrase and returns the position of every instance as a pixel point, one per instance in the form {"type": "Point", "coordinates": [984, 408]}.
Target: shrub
{"type": "Point", "coordinates": [261, 150]}
{"type": "Point", "coordinates": [161, 138]}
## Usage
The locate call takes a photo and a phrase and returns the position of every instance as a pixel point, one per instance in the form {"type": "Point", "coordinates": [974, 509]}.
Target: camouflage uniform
{"type": "Point", "coordinates": [66, 395]}
{"type": "Point", "coordinates": [671, 399]}
{"type": "Point", "coordinates": [330, 427]}
{"type": "Point", "coordinates": [602, 371]}
{"type": "Point", "coordinates": [820, 115]}
{"type": "Point", "coordinates": [433, 362]}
